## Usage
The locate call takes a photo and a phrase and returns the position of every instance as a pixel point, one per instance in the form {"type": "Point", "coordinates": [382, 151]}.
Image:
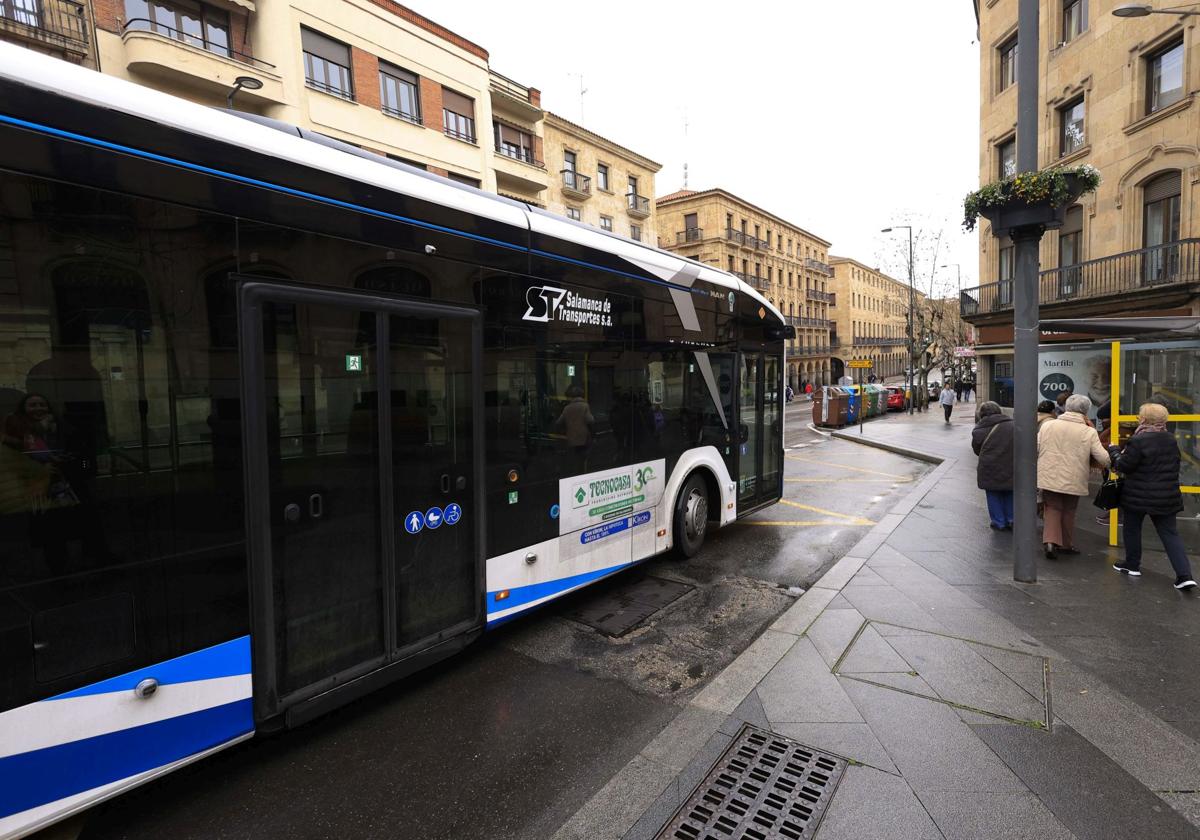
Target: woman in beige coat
{"type": "Point", "coordinates": [1067, 446]}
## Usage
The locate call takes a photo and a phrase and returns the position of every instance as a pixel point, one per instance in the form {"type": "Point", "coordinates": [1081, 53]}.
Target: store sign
{"type": "Point", "coordinates": [1087, 372]}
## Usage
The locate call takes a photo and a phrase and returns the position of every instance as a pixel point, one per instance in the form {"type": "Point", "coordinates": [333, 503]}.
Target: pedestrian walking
{"type": "Point", "coordinates": [958, 390]}
{"type": "Point", "coordinates": [788, 393]}
{"type": "Point", "coordinates": [1067, 449]}
{"type": "Point", "coordinates": [947, 400]}
{"type": "Point", "coordinates": [992, 440]}
{"type": "Point", "coordinates": [1149, 462]}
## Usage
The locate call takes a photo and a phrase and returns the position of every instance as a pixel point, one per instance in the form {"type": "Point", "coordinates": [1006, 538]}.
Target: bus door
{"type": "Point", "coordinates": [363, 485]}
{"type": "Point", "coordinates": [760, 430]}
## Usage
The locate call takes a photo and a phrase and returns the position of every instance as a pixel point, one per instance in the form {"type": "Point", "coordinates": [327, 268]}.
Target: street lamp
{"type": "Point", "coordinates": [1130, 10]}
{"type": "Point", "coordinates": [912, 396]}
{"type": "Point", "coordinates": [242, 83]}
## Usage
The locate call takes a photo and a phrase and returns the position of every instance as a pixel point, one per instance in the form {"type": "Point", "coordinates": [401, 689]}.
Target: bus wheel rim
{"type": "Point", "coordinates": [695, 518]}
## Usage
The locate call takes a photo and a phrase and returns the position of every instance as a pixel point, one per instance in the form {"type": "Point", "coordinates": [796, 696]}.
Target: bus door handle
{"type": "Point", "coordinates": [460, 483]}
{"type": "Point", "coordinates": [316, 505]}
{"type": "Point", "coordinates": [445, 483]}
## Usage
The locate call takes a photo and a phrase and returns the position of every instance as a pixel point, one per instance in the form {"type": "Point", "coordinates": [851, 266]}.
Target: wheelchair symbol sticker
{"type": "Point", "coordinates": [452, 514]}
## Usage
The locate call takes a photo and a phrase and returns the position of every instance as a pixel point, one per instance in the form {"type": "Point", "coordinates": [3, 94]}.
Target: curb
{"type": "Point", "coordinates": [613, 810]}
{"type": "Point", "coordinates": [889, 447]}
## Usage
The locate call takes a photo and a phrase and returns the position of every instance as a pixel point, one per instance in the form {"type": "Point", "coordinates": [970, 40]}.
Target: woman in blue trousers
{"type": "Point", "coordinates": [992, 440]}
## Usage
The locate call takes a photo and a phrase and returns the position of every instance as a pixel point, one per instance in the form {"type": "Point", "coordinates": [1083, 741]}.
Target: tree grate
{"type": "Point", "coordinates": [763, 787]}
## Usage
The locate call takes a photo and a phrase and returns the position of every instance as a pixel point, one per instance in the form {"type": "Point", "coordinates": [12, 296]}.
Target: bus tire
{"type": "Point", "coordinates": [691, 516]}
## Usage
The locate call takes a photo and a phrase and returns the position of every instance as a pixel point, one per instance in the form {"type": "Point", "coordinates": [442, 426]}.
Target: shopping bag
{"type": "Point", "coordinates": [1109, 494]}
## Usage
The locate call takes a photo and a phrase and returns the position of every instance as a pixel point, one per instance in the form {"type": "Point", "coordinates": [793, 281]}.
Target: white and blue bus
{"type": "Point", "coordinates": [284, 420]}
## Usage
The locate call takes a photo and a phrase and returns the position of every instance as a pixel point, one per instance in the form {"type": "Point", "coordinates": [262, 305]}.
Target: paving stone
{"type": "Point", "coordinates": [886, 555]}
{"type": "Point", "coordinates": [993, 816]}
{"type": "Point", "coordinates": [871, 653]}
{"type": "Point", "coordinates": [749, 711]}
{"type": "Point", "coordinates": [932, 748]}
{"type": "Point", "coordinates": [957, 672]}
{"type": "Point", "coordinates": [843, 571]}
{"type": "Point", "coordinates": [867, 577]}
{"type": "Point", "coordinates": [730, 687]}
{"type": "Point", "coordinates": [1187, 804]}
{"type": "Point", "coordinates": [885, 604]}
{"type": "Point", "coordinates": [1089, 793]}
{"type": "Point", "coordinates": [855, 741]}
{"type": "Point", "coordinates": [872, 804]}
{"type": "Point", "coordinates": [801, 689]}
{"type": "Point", "coordinates": [839, 603]}
{"type": "Point", "coordinates": [796, 618]}
{"type": "Point", "coordinates": [1025, 670]}
{"type": "Point", "coordinates": [612, 811]}
{"type": "Point", "coordinates": [682, 737]}
{"type": "Point", "coordinates": [1154, 752]}
{"type": "Point", "coordinates": [833, 631]}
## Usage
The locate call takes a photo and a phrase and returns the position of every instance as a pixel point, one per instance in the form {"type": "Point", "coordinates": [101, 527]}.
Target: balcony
{"type": "Point", "coordinates": [822, 297]}
{"type": "Point", "coordinates": [683, 237]}
{"type": "Point", "coordinates": [517, 170]}
{"type": "Point", "coordinates": [809, 350]}
{"type": "Point", "coordinates": [875, 341]}
{"type": "Point", "coordinates": [57, 24]}
{"type": "Point", "coordinates": [737, 237]}
{"type": "Point", "coordinates": [576, 185]}
{"type": "Point", "coordinates": [818, 266]}
{"type": "Point", "coordinates": [512, 97]}
{"type": "Point", "coordinates": [637, 205]}
{"type": "Point", "coordinates": [803, 321]}
{"type": "Point", "coordinates": [154, 50]}
{"type": "Point", "coordinates": [759, 283]}
{"type": "Point", "coordinates": [1153, 276]}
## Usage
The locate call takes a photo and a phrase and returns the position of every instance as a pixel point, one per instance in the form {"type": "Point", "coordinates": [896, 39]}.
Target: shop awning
{"type": "Point", "coordinates": [1185, 325]}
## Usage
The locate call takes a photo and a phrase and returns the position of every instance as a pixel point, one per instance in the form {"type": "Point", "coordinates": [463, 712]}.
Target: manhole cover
{"type": "Point", "coordinates": [618, 611]}
{"type": "Point", "coordinates": [765, 786]}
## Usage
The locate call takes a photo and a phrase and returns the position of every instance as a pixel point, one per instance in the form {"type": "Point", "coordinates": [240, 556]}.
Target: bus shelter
{"type": "Point", "coordinates": [1153, 360]}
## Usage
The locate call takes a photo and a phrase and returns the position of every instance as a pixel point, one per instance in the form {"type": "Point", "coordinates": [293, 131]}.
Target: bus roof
{"type": "Point", "coordinates": [307, 148]}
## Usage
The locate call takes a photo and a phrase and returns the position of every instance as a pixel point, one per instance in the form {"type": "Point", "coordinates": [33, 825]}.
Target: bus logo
{"type": "Point", "coordinates": [542, 301]}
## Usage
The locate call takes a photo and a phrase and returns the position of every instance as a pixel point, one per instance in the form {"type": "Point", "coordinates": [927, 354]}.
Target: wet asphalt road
{"type": "Point", "coordinates": [510, 738]}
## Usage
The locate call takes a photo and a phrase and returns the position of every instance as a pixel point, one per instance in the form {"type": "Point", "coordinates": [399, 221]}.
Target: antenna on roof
{"type": "Point", "coordinates": [582, 91]}
{"type": "Point", "coordinates": [685, 148]}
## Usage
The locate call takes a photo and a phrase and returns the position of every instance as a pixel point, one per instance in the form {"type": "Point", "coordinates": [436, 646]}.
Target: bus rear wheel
{"type": "Point", "coordinates": [691, 516]}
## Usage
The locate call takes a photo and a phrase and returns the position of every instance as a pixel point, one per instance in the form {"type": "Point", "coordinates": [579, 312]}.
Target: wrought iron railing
{"type": "Point", "coordinates": [759, 283]}
{"type": "Point", "coordinates": [523, 155]}
{"type": "Point", "coordinates": [736, 236]}
{"type": "Point", "coordinates": [638, 203]}
{"type": "Point", "coordinates": [824, 297]}
{"type": "Point", "coordinates": [689, 235]}
{"type": "Point", "coordinates": [818, 266]}
{"type": "Point", "coordinates": [576, 181]}
{"type": "Point", "coordinates": [1131, 271]}
{"type": "Point", "coordinates": [223, 50]}
{"type": "Point", "coordinates": [876, 341]}
{"type": "Point", "coordinates": [61, 22]}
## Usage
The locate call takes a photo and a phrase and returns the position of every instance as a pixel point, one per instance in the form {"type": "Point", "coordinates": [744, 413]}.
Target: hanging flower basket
{"type": "Point", "coordinates": [1030, 198]}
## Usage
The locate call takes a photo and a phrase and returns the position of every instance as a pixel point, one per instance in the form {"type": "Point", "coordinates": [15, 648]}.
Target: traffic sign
{"type": "Point", "coordinates": [433, 517]}
{"type": "Point", "coordinates": [859, 363]}
{"type": "Point", "coordinates": [414, 522]}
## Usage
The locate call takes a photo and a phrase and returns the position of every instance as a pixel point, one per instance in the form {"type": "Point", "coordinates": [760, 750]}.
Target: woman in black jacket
{"type": "Point", "coordinates": [1150, 464]}
{"type": "Point", "coordinates": [992, 440]}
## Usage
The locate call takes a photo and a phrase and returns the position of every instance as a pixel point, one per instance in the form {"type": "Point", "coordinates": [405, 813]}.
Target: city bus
{"type": "Point", "coordinates": [285, 420]}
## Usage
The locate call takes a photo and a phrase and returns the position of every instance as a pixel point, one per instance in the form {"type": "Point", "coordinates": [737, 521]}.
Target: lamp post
{"type": "Point", "coordinates": [1129, 10]}
{"type": "Point", "coordinates": [912, 395]}
{"type": "Point", "coordinates": [242, 83]}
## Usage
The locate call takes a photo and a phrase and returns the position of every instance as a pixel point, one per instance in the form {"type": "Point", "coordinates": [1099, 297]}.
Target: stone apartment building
{"type": "Point", "coordinates": [784, 261]}
{"type": "Point", "coordinates": [1120, 94]}
{"type": "Point", "coordinates": [871, 318]}
{"type": "Point", "coordinates": [61, 28]}
{"type": "Point", "coordinates": [594, 180]}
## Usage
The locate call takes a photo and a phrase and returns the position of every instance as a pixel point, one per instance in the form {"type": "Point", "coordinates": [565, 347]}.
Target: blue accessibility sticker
{"type": "Point", "coordinates": [453, 513]}
{"type": "Point", "coordinates": [414, 522]}
{"type": "Point", "coordinates": [433, 517]}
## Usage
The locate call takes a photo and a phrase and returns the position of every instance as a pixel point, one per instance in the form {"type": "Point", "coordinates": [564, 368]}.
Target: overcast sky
{"type": "Point", "coordinates": [841, 117]}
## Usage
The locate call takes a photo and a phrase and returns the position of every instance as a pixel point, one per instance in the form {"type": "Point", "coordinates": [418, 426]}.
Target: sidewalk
{"type": "Point", "coordinates": [967, 705]}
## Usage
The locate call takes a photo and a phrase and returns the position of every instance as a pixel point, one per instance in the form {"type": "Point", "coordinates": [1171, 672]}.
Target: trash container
{"type": "Point", "coordinates": [876, 399]}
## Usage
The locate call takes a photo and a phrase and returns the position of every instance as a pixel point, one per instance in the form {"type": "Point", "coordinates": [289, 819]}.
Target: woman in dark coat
{"type": "Point", "coordinates": [1149, 461]}
{"type": "Point", "coordinates": [992, 440]}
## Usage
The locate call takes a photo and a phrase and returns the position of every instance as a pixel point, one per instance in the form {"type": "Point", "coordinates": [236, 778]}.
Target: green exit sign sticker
{"type": "Point", "coordinates": [353, 363]}
{"type": "Point", "coordinates": [512, 497]}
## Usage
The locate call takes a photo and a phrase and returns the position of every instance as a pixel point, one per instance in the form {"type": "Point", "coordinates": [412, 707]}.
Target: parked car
{"type": "Point", "coordinates": [935, 390]}
{"type": "Point", "coordinates": [896, 400]}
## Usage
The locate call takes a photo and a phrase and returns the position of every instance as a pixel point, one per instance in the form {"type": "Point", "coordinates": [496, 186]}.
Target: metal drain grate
{"type": "Point", "coordinates": [764, 787]}
{"type": "Point", "coordinates": [621, 609]}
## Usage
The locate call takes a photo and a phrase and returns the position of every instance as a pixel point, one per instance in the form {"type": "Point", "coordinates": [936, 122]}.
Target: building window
{"type": "Point", "coordinates": [464, 179]}
{"type": "Point", "coordinates": [1070, 253]}
{"type": "Point", "coordinates": [1074, 19]}
{"type": "Point", "coordinates": [1070, 135]}
{"type": "Point", "coordinates": [1008, 63]}
{"type": "Point", "coordinates": [414, 163]}
{"type": "Point", "coordinates": [1164, 77]}
{"type": "Point", "coordinates": [326, 64]}
{"type": "Point", "coordinates": [1004, 271]}
{"type": "Point", "coordinates": [635, 232]}
{"type": "Point", "coordinates": [1160, 227]}
{"type": "Point", "coordinates": [192, 23]}
{"type": "Point", "coordinates": [730, 264]}
{"type": "Point", "coordinates": [606, 224]}
{"type": "Point", "coordinates": [602, 176]}
{"type": "Point", "coordinates": [728, 221]}
{"type": "Point", "coordinates": [398, 93]}
{"type": "Point", "coordinates": [1006, 158]}
{"type": "Point", "coordinates": [514, 143]}
{"type": "Point", "coordinates": [458, 115]}
{"type": "Point", "coordinates": [574, 214]}
{"type": "Point", "coordinates": [28, 12]}
{"type": "Point", "coordinates": [633, 185]}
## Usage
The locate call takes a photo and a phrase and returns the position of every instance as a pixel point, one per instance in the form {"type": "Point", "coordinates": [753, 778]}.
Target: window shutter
{"type": "Point", "coordinates": [1074, 221]}
{"type": "Point", "coordinates": [459, 104]}
{"type": "Point", "coordinates": [326, 48]}
{"type": "Point", "coordinates": [1164, 186]}
{"type": "Point", "coordinates": [396, 73]}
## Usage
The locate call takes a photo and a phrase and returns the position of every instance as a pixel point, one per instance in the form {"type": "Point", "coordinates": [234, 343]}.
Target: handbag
{"type": "Point", "coordinates": [1109, 494]}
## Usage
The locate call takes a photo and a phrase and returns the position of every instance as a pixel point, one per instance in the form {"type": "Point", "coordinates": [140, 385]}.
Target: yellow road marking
{"type": "Point", "coordinates": [800, 523]}
{"type": "Point", "coordinates": [844, 480]}
{"type": "Point", "coordinates": [844, 466]}
{"type": "Point", "coordinates": [826, 512]}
